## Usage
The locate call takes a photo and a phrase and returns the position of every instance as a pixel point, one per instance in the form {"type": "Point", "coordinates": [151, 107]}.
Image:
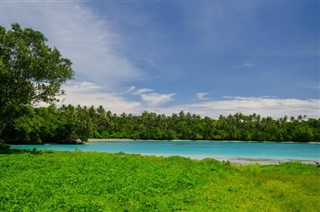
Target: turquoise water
{"type": "Point", "coordinates": [198, 149]}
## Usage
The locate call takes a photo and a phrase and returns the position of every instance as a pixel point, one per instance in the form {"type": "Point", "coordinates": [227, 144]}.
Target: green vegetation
{"type": "Point", "coordinates": [30, 71]}
{"type": "Point", "coordinates": [68, 123]}
{"type": "Point", "coordinates": [78, 181]}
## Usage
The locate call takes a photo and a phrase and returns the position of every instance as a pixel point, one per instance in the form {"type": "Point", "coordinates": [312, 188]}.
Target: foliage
{"type": "Point", "coordinates": [68, 123]}
{"type": "Point", "coordinates": [77, 181]}
{"type": "Point", "coordinates": [4, 148]}
{"type": "Point", "coordinates": [30, 71]}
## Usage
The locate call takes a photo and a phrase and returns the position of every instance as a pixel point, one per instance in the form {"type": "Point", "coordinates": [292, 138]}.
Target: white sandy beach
{"type": "Point", "coordinates": [177, 140]}
{"type": "Point", "coordinates": [237, 160]}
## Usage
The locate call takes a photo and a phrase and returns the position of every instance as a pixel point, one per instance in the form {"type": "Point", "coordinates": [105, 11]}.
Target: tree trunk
{"type": "Point", "coordinates": [2, 127]}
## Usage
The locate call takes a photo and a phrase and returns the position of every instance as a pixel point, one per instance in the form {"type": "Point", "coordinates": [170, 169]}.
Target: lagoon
{"type": "Point", "coordinates": [242, 152]}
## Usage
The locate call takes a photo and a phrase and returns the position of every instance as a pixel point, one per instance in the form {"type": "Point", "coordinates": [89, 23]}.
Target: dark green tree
{"type": "Point", "coordinates": [30, 71]}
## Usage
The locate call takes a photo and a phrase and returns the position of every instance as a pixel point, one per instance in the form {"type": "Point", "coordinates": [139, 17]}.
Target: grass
{"type": "Point", "coordinates": [79, 181]}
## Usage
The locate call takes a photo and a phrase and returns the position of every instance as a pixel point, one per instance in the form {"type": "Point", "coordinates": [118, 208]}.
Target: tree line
{"type": "Point", "coordinates": [68, 123]}
{"type": "Point", "coordinates": [30, 72]}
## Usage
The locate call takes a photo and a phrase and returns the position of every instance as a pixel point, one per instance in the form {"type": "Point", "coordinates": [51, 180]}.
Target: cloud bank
{"type": "Point", "coordinates": [265, 106]}
{"type": "Point", "coordinates": [86, 93]}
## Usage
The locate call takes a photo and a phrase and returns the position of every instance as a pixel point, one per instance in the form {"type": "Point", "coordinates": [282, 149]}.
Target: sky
{"type": "Point", "coordinates": [203, 57]}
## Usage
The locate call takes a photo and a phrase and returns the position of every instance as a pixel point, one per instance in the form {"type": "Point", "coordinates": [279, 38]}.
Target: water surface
{"type": "Point", "coordinates": [272, 151]}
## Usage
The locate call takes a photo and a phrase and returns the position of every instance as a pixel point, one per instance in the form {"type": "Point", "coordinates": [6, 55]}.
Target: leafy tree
{"type": "Point", "coordinates": [30, 71]}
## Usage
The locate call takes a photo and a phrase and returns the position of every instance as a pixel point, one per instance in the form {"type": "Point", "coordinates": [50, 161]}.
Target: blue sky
{"type": "Point", "coordinates": [203, 57]}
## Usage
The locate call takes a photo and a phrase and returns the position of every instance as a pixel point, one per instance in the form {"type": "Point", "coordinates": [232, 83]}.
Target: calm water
{"type": "Point", "coordinates": [198, 149]}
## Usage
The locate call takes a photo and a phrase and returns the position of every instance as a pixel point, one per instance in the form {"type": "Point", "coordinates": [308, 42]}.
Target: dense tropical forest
{"type": "Point", "coordinates": [66, 124]}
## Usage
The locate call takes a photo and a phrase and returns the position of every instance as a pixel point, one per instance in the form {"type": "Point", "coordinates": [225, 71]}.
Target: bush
{"type": "Point", "coordinates": [4, 148]}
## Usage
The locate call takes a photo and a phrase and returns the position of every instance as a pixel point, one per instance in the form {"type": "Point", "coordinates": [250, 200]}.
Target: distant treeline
{"type": "Point", "coordinates": [69, 123]}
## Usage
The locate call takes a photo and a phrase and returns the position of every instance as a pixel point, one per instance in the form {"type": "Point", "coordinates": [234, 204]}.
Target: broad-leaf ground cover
{"type": "Point", "coordinates": [79, 181]}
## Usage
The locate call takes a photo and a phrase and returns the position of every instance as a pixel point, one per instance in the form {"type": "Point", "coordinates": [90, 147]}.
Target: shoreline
{"type": "Point", "coordinates": [235, 160]}
{"type": "Point", "coordinates": [239, 161]}
{"type": "Point", "coordinates": [178, 140]}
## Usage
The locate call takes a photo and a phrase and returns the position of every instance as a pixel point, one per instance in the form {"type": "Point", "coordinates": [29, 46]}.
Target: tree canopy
{"type": "Point", "coordinates": [69, 123]}
{"type": "Point", "coordinates": [30, 71]}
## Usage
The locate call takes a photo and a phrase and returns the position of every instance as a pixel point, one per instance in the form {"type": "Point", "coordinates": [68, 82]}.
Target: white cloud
{"type": "Point", "coordinates": [86, 87]}
{"type": "Point", "coordinates": [142, 91]}
{"type": "Point", "coordinates": [88, 93]}
{"type": "Point", "coordinates": [202, 96]}
{"type": "Point", "coordinates": [79, 34]}
{"type": "Point", "coordinates": [134, 91]}
{"type": "Point", "coordinates": [152, 98]}
{"type": "Point", "coordinates": [155, 99]}
{"type": "Point", "coordinates": [265, 106]}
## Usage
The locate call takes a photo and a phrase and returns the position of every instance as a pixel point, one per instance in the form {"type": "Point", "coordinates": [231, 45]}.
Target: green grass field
{"type": "Point", "coordinates": [79, 181]}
